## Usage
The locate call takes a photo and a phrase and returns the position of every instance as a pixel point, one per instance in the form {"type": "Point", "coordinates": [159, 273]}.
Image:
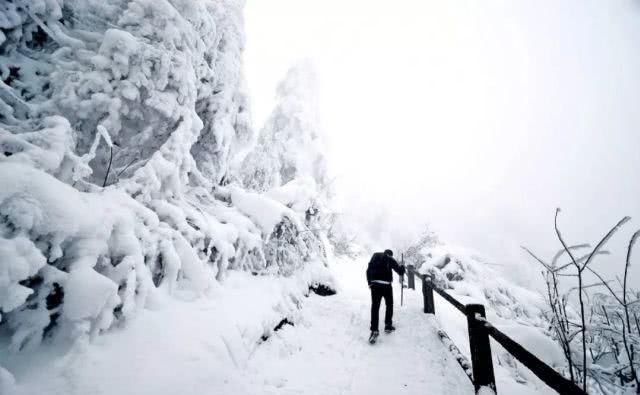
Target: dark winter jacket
{"type": "Point", "coordinates": [380, 267]}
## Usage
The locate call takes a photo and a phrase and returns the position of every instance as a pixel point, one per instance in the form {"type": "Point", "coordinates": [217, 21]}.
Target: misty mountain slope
{"type": "Point", "coordinates": [123, 127]}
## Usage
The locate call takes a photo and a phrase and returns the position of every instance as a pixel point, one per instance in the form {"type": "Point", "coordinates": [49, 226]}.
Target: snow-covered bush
{"type": "Point", "coordinates": [614, 340]}
{"type": "Point", "coordinates": [120, 124]}
{"type": "Point", "coordinates": [472, 277]}
{"type": "Point", "coordinates": [595, 323]}
{"type": "Point", "coordinates": [417, 252]}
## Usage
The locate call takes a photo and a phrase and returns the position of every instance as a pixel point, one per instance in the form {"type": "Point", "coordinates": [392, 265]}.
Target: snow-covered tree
{"type": "Point", "coordinates": [119, 124]}
{"type": "Point", "coordinates": [289, 145]}
{"type": "Point", "coordinates": [288, 165]}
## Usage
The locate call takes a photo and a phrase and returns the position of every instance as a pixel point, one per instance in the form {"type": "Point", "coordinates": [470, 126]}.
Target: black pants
{"type": "Point", "coordinates": [379, 291]}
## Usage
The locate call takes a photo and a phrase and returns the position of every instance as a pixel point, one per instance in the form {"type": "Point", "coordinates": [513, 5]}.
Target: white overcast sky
{"type": "Point", "coordinates": [479, 117]}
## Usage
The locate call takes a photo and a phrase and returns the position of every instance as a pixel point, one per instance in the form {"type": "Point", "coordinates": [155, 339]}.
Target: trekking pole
{"type": "Point", "coordinates": [402, 282]}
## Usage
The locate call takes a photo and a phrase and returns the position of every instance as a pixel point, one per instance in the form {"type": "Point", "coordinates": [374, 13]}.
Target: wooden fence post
{"type": "Point", "coordinates": [427, 297]}
{"type": "Point", "coordinates": [411, 279]}
{"type": "Point", "coordinates": [480, 347]}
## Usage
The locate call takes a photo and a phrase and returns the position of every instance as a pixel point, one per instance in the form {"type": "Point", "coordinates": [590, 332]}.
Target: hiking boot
{"type": "Point", "coordinates": [373, 337]}
{"type": "Point", "coordinates": [389, 329]}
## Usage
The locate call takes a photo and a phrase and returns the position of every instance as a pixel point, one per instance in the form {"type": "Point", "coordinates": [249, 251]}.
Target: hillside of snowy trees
{"type": "Point", "coordinates": [129, 167]}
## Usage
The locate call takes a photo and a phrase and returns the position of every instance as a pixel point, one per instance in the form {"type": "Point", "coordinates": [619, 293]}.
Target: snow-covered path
{"type": "Point", "coordinates": [205, 347]}
{"type": "Point", "coordinates": [328, 352]}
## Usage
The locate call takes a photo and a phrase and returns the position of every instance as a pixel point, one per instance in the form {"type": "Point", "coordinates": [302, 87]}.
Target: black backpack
{"type": "Point", "coordinates": [379, 263]}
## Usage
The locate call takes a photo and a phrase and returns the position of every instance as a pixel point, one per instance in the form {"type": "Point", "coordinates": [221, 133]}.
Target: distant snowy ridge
{"type": "Point", "coordinates": [145, 97]}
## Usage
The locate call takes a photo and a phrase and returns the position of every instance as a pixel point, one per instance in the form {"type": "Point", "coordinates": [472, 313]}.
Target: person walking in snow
{"type": "Point", "coordinates": [379, 278]}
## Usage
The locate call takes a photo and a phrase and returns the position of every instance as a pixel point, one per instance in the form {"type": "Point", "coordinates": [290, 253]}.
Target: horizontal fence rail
{"type": "Point", "coordinates": [480, 370]}
{"type": "Point", "coordinates": [431, 287]}
{"type": "Point", "coordinates": [544, 372]}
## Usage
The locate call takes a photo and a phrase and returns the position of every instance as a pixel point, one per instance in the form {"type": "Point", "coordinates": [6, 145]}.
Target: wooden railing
{"type": "Point", "coordinates": [481, 372]}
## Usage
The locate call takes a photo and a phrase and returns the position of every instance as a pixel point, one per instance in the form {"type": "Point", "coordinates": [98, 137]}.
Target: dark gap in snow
{"type": "Point", "coordinates": [13, 75]}
{"type": "Point", "coordinates": [322, 290]}
{"type": "Point", "coordinates": [282, 323]}
{"type": "Point", "coordinates": [32, 282]}
{"type": "Point", "coordinates": [55, 298]}
{"type": "Point", "coordinates": [158, 274]}
{"type": "Point", "coordinates": [9, 148]}
{"type": "Point", "coordinates": [192, 223]}
{"type": "Point", "coordinates": [67, 16]}
{"type": "Point", "coordinates": [38, 39]}
{"type": "Point", "coordinates": [117, 312]}
{"type": "Point", "coordinates": [454, 276]}
{"type": "Point", "coordinates": [26, 95]}
{"type": "Point", "coordinates": [213, 255]}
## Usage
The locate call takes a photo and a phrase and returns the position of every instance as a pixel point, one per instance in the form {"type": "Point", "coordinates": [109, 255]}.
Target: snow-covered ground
{"type": "Point", "coordinates": [211, 346]}
{"type": "Point", "coordinates": [328, 353]}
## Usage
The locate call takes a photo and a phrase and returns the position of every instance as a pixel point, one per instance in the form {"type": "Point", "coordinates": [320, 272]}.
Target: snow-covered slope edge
{"type": "Point", "coordinates": [120, 123]}
{"type": "Point", "coordinates": [517, 311]}
{"type": "Point", "coordinates": [177, 346]}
